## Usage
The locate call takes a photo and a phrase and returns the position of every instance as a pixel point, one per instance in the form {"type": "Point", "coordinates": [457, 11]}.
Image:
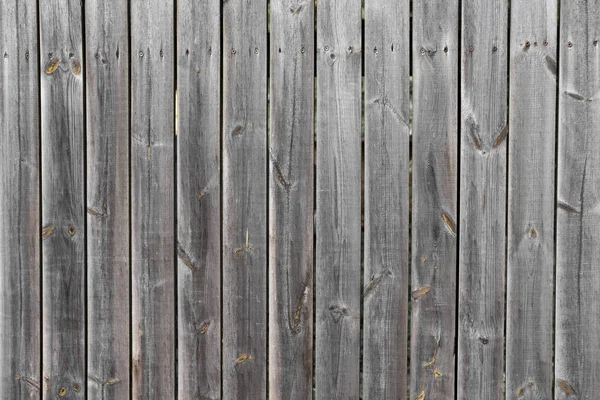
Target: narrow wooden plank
{"type": "Point", "coordinates": [530, 264]}
{"type": "Point", "coordinates": [291, 164]}
{"type": "Point", "coordinates": [20, 305]}
{"type": "Point", "coordinates": [63, 207]}
{"type": "Point", "coordinates": [338, 216]}
{"type": "Point", "coordinates": [482, 239]}
{"type": "Point", "coordinates": [387, 136]}
{"type": "Point", "coordinates": [107, 103]}
{"type": "Point", "coordinates": [578, 222]}
{"type": "Point", "coordinates": [198, 199]}
{"type": "Point", "coordinates": [244, 140]}
{"type": "Point", "coordinates": [435, 184]}
{"type": "Point", "coordinates": [152, 199]}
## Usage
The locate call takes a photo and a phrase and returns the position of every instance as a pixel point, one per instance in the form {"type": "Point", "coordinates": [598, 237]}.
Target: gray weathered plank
{"type": "Point", "coordinates": [578, 222]}
{"type": "Point", "coordinates": [386, 212]}
{"type": "Point", "coordinates": [530, 264]}
{"type": "Point", "coordinates": [152, 199]}
{"type": "Point", "coordinates": [107, 103]}
{"type": "Point", "coordinates": [63, 207]}
{"type": "Point", "coordinates": [198, 200]}
{"type": "Point", "coordinates": [482, 225]}
{"type": "Point", "coordinates": [244, 139]}
{"type": "Point", "coordinates": [291, 158]}
{"type": "Point", "coordinates": [435, 179]}
{"type": "Point", "coordinates": [20, 304]}
{"type": "Point", "coordinates": [338, 216]}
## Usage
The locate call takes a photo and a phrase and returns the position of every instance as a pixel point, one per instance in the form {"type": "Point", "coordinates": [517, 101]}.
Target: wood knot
{"type": "Point", "coordinates": [62, 391]}
{"type": "Point", "coordinates": [52, 65]}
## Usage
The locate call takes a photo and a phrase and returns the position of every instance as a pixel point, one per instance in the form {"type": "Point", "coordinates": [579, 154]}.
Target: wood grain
{"type": "Point", "coordinates": [20, 306]}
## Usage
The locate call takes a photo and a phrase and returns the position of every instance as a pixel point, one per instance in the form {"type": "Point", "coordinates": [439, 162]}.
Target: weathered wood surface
{"type": "Point", "coordinates": [20, 305]}
{"type": "Point", "coordinates": [386, 210]}
{"type": "Point", "coordinates": [244, 141]}
{"type": "Point", "coordinates": [152, 199]}
{"type": "Point", "coordinates": [291, 163]}
{"type": "Point", "coordinates": [63, 194]}
{"type": "Point", "coordinates": [482, 238]}
{"type": "Point", "coordinates": [578, 222]}
{"type": "Point", "coordinates": [530, 264]}
{"type": "Point", "coordinates": [435, 184]}
{"type": "Point", "coordinates": [338, 197]}
{"type": "Point", "coordinates": [107, 103]}
{"type": "Point", "coordinates": [198, 200]}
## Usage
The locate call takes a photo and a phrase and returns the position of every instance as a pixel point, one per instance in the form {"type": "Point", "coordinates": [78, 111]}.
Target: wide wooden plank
{"type": "Point", "coordinates": [198, 200]}
{"type": "Point", "coordinates": [291, 163]}
{"type": "Point", "coordinates": [107, 122]}
{"type": "Point", "coordinates": [63, 193]}
{"type": "Point", "coordinates": [482, 225]}
{"type": "Point", "coordinates": [20, 306]}
{"type": "Point", "coordinates": [578, 222]}
{"type": "Point", "coordinates": [386, 211]}
{"type": "Point", "coordinates": [244, 140]}
{"type": "Point", "coordinates": [435, 184]}
{"type": "Point", "coordinates": [530, 264]}
{"type": "Point", "coordinates": [152, 198]}
{"type": "Point", "coordinates": [338, 216]}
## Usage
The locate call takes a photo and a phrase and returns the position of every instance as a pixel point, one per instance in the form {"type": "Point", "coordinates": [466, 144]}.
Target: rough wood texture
{"type": "Point", "coordinates": [530, 268]}
{"type": "Point", "coordinates": [578, 221]}
{"type": "Point", "coordinates": [291, 163]}
{"type": "Point", "coordinates": [386, 212]}
{"type": "Point", "coordinates": [63, 207]}
{"type": "Point", "coordinates": [435, 215]}
{"type": "Point", "coordinates": [107, 59]}
{"type": "Point", "coordinates": [244, 139]}
{"type": "Point", "coordinates": [152, 199]}
{"type": "Point", "coordinates": [20, 304]}
{"type": "Point", "coordinates": [483, 199]}
{"type": "Point", "coordinates": [198, 200]}
{"type": "Point", "coordinates": [338, 217]}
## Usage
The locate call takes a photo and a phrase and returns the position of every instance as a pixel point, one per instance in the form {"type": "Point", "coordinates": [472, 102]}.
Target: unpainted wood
{"type": "Point", "coordinates": [291, 164]}
{"type": "Point", "coordinates": [198, 200]}
{"type": "Point", "coordinates": [482, 228]}
{"type": "Point", "coordinates": [20, 305]}
{"type": "Point", "coordinates": [386, 203]}
{"type": "Point", "coordinates": [153, 199]}
{"type": "Point", "coordinates": [435, 51]}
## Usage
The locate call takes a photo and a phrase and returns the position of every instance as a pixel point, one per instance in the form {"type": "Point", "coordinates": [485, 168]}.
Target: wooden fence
{"type": "Point", "coordinates": [244, 199]}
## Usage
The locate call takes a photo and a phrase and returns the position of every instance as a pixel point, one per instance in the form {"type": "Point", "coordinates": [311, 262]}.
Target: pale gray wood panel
{"type": "Point", "coordinates": [20, 306]}
{"type": "Point", "coordinates": [291, 163]}
{"type": "Point", "coordinates": [152, 199]}
{"type": "Point", "coordinates": [338, 197]}
{"type": "Point", "coordinates": [63, 193]}
{"type": "Point", "coordinates": [107, 94]}
{"type": "Point", "coordinates": [436, 51]}
{"type": "Point", "coordinates": [577, 348]}
{"type": "Point", "coordinates": [484, 106]}
{"type": "Point", "coordinates": [244, 140]}
{"type": "Point", "coordinates": [386, 210]}
{"type": "Point", "coordinates": [530, 268]}
{"type": "Point", "coordinates": [198, 200]}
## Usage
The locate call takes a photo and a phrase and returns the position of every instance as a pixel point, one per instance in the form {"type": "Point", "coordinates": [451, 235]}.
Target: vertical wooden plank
{"type": "Point", "coordinates": [435, 179]}
{"type": "Point", "coordinates": [291, 158]}
{"type": "Point", "coordinates": [387, 135]}
{"type": "Point", "coordinates": [20, 305]}
{"type": "Point", "coordinates": [530, 264]}
{"type": "Point", "coordinates": [198, 199]}
{"type": "Point", "coordinates": [107, 59]}
{"type": "Point", "coordinates": [63, 208]}
{"type": "Point", "coordinates": [152, 198]}
{"type": "Point", "coordinates": [578, 221]}
{"type": "Point", "coordinates": [483, 199]}
{"type": "Point", "coordinates": [338, 217]}
{"type": "Point", "coordinates": [244, 139]}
